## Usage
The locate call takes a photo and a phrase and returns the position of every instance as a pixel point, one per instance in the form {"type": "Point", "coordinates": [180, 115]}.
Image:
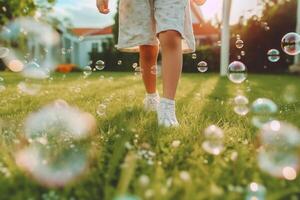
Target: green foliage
{"type": "Point", "coordinates": [281, 19]}
{"type": "Point", "coordinates": [11, 9]}
{"type": "Point", "coordinates": [202, 100]}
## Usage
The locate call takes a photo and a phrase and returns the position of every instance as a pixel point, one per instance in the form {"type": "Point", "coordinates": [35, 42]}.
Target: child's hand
{"type": "Point", "coordinates": [102, 6]}
{"type": "Point", "coordinates": [199, 2]}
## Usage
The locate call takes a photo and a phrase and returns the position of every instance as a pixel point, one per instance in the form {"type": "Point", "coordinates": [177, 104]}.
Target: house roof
{"type": "Point", "coordinates": [205, 29]}
{"type": "Point", "coordinates": [91, 31]}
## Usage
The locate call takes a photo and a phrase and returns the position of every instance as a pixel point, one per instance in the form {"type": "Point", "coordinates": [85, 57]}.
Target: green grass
{"type": "Point", "coordinates": [202, 100]}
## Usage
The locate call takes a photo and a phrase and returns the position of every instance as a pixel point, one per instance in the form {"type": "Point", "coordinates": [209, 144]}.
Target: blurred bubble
{"type": "Point", "coordinates": [255, 191]}
{"type": "Point", "coordinates": [243, 53]}
{"type": "Point", "coordinates": [15, 65]}
{"type": "Point", "coordinates": [87, 71]}
{"type": "Point", "coordinates": [213, 140]}
{"type": "Point", "coordinates": [273, 55]}
{"type": "Point", "coordinates": [26, 37]}
{"type": "Point", "coordinates": [101, 110]}
{"type": "Point", "coordinates": [237, 72]}
{"type": "Point", "coordinates": [263, 111]}
{"type": "Point", "coordinates": [185, 176]}
{"type": "Point", "coordinates": [134, 65]}
{"type": "Point", "coordinates": [100, 65]}
{"type": "Point", "coordinates": [194, 56]}
{"type": "Point", "coordinates": [280, 147]}
{"type": "Point", "coordinates": [29, 88]}
{"type": "Point", "coordinates": [241, 105]}
{"type": "Point", "coordinates": [144, 180]}
{"type": "Point", "coordinates": [3, 52]}
{"type": "Point", "coordinates": [34, 71]}
{"type": "Point", "coordinates": [57, 150]}
{"type": "Point", "coordinates": [239, 43]}
{"type": "Point", "coordinates": [290, 44]}
{"type": "Point", "coordinates": [126, 197]}
{"type": "Point", "coordinates": [176, 143]}
{"type": "Point", "coordinates": [120, 62]}
{"type": "Point", "coordinates": [202, 66]}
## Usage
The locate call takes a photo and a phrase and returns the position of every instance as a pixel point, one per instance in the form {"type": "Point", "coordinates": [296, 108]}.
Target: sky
{"type": "Point", "coordinates": [83, 13]}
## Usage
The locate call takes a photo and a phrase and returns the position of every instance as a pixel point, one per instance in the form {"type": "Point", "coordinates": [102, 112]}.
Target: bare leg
{"type": "Point", "coordinates": [148, 59]}
{"type": "Point", "coordinates": [171, 46]}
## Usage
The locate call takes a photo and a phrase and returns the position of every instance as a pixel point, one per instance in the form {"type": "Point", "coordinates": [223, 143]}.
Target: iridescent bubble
{"type": "Point", "coordinates": [239, 43]}
{"type": "Point", "coordinates": [290, 43]}
{"type": "Point", "coordinates": [34, 71]}
{"type": "Point", "coordinates": [255, 191]}
{"type": "Point", "coordinates": [194, 56]}
{"type": "Point", "coordinates": [3, 52]}
{"type": "Point", "coordinates": [213, 140]}
{"type": "Point", "coordinates": [279, 152]}
{"type": "Point", "coordinates": [263, 111]}
{"type": "Point", "coordinates": [273, 55]}
{"type": "Point", "coordinates": [32, 38]}
{"type": "Point", "coordinates": [100, 65]}
{"type": "Point", "coordinates": [237, 72]}
{"type": "Point", "coordinates": [87, 71]}
{"type": "Point", "coordinates": [134, 65]}
{"type": "Point", "coordinates": [241, 105]}
{"type": "Point", "coordinates": [202, 66]}
{"type": "Point", "coordinates": [15, 65]}
{"type": "Point", "coordinates": [126, 197]}
{"type": "Point", "coordinates": [57, 149]}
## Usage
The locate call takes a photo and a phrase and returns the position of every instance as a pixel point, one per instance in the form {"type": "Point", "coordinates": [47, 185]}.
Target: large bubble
{"type": "Point", "coordinates": [237, 72]}
{"type": "Point", "coordinates": [279, 152]}
{"type": "Point", "coordinates": [290, 44]}
{"type": "Point", "coordinates": [256, 191]}
{"type": "Point", "coordinates": [241, 105]}
{"type": "Point", "coordinates": [56, 149]}
{"type": "Point", "coordinates": [263, 111]}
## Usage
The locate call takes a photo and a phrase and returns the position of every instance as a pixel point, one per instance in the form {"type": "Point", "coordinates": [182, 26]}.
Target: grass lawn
{"type": "Point", "coordinates": [202, 100]}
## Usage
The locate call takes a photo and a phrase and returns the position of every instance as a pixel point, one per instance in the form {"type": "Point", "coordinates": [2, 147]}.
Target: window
{"type": "Point", "coordinates": [95, 47]}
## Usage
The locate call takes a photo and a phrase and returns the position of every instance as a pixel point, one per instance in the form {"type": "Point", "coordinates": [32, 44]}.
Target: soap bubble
{"type": "Point", "coordinates": [87, 71]}
{"type": "Point", "coordinates": [126, 197]}
{"type": "Point", "coordinates": [30, 39]}
{"type": "Point", "coordinates": [279, 152]}
{"type": "Point", "coordinates": [255, 191]}
{"type": "Point", "coordinates": [263, 111]}
{"type": "Point", "coordinates": [290, 44]}
{"type": "Point", "coordinates": [56, 150]}
{"type": "Point", "coordinates": [120, 62]}
{"type": "Point", "coordinates": [202, 66]}
{"type": "Point", "coordinates": [101, 110]}
{"type": "Point", "coordinates": [273, 55]}
{"type": "Point", "coordinates": [100, 65]}
{"type": "Point", "coordinates": [213, 142]}
{"type": "Point", "coordinates": [241, 105]}
{"type": "Point", "coordinates": [194, 56]}
{"type": "Point", "coordinates": [33, 70]}
{"type": "Point", "coordinates": [134, 65]}
{"type": "Point", "coordinates": [237, 72]}
{"type": "Point", "coordinates": [3, 52]}
{"type": "Point", "coordinates": [239, 43]}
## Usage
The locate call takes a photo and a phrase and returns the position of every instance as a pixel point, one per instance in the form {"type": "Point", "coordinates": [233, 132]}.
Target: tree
{"type": "Point", "coordinates": [11, 9]}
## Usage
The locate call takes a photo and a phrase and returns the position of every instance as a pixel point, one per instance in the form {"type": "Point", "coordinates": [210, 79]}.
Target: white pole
{"type": "Point", "coordinates": [297, 58]}
{"type": "Point", "coordinates": [225, 38]}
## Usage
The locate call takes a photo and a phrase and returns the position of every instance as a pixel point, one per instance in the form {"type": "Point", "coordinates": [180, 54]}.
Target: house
{"type": "Point", "coordinates": [78, 42]}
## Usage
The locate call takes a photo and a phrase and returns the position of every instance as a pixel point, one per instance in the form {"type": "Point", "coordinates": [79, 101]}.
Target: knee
{"type": "Point", "coordinates": [170, 39]}
{"type": "Point", "coordinates": [148, 53]}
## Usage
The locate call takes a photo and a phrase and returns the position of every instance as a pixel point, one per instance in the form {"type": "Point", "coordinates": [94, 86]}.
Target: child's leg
{"type": "Point", "coordinates": [171, 47]}
{"type": "Point", "coordinates": [148, 59]}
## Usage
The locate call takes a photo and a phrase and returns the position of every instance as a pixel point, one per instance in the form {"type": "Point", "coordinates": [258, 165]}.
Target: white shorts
{"type": "Point", "coordinates": [140, 21]}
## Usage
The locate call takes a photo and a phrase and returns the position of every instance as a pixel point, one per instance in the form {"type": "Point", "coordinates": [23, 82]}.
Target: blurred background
{"type": "Point", "coordinates": [86, 36]}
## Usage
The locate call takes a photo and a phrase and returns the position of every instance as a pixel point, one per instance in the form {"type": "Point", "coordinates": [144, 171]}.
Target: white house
{"type": "Point", "coordinates": [77, 43]}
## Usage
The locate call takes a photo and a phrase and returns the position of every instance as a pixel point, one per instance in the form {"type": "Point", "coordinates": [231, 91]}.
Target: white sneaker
{"type": "Point", "coordinates": [166, 113]}
{"type": "Point", "coordinates": [151, 102]}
